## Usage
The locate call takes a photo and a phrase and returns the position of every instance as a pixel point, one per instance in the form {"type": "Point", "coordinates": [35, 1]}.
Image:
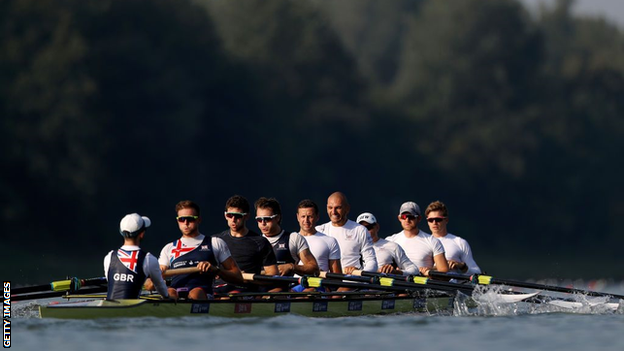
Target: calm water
{"type": "Point", "coordinates": [520, 326]}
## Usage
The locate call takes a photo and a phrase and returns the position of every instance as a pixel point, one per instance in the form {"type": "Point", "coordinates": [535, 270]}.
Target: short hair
{"type": "Point", "coordinates": [437, 206]}
{"type": "Point", "coordinates": [307, 203]}
{"type": "Point", "coordinates": [187, 204]}
{"type": "Point", "coordinates": [271, 203]}
{"type": "Point", "coordinates": [237, 201]}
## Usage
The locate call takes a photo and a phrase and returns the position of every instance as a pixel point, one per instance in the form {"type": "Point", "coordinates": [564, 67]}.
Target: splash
{"type": "Point", "coordinates": [493, 301]}
{"type": "Point", "coordinates": [26, 310]}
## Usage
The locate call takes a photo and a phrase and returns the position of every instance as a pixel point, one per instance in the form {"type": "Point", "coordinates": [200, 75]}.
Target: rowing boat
{"type": "Point", "coordinates": [380, 294]}
{"type": "Point", "coordinates": [312, 306]}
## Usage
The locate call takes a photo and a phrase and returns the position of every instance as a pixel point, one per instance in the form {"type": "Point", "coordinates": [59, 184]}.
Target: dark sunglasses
{"type": "Point", "coordinates": [369, 226]}
{"type": "Point", "coordinates": [435, 219]}
{"type": "Point", "coordinates": [261, 219]}
{"type": "Point", "coordinates": [408, 216]}
{"type": "Point", "coordinates": [236, 215]}
{"type": "Point", "coordinates": [183, 219]}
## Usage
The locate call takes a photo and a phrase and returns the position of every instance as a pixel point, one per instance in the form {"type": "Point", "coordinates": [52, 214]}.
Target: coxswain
{"type": "Point", "coordinates": [127, 268]}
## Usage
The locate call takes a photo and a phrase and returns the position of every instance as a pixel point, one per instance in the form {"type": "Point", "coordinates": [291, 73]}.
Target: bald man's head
{"type": "Point", "coordinates": [338, 209]}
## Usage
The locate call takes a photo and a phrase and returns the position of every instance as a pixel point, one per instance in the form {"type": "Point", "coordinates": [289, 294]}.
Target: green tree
{"type": "Point", "coordinates": [467, 73]}
{"type": "Point", "coordinates": [372, 31]}
{"type": "Point", "coordinates": [313, 100]}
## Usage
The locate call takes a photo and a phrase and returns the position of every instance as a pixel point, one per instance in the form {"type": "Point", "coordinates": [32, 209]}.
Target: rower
{"type": "Point", "coordinates": [390, 256]}
{"type": "Point", "coordinates": [252, 252]}
{"type": "Point", "coordinates": [127, 268]}
{"type": "Point", "coordinates": [211, 256]}
{"type": "Point", "coordinates": [356, 246]}
{"type": "Point", "coordinates": [324, 248]}
{"type": "Point", "coordinates": [456, 250]}
{"type": "Point", "coordinates": [422, 248]}
{"type": "Point", "coordinates": [290, 248]}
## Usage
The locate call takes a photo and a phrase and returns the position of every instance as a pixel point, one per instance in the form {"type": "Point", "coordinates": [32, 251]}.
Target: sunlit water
{"type": "Point", "coordinates": [492, 325]}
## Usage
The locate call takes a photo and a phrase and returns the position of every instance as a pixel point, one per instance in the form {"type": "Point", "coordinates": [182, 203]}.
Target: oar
{"type": "Point", "coordinates": [317, 282]}
{"type": "Point", "coordinates": [71, 285]}
{"type": "Point", "coordinates": [178, 271]}
{"type": "Point", "coordinates": [45, 295]}
{"type": "Point", "coordinates": [487, 280]}
{"type": "Point", "coordinates": [412, 281]}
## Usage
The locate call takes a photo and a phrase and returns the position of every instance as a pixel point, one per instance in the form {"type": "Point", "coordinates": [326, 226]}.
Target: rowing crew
{"type": "Point", "coordinates": [338, 246]}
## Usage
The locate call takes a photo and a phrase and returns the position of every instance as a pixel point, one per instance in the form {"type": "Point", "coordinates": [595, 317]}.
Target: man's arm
{"type": "Point", "coordinates": [309, 267]}
{"type": "Point", "coordinates": [230, 272]}
{"type": "Point", "coordinates": [471, 266]}
{"type": "Point", "coordinates": [440, 262]}
{"type": "Point", "coordinates": [368, 253]}
{"type": "Point", "coordinates": [152, 270]}
{"type": "Point", "coordinates": [335, 266]}
{"type": "Point", "coordinates": [271, 270]}
{"type": "Point", "coordinates": [405, 265]}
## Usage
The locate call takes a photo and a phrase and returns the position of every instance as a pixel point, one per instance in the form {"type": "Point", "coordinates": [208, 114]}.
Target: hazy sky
{"type": "Point", "coordinates": [613, 10]}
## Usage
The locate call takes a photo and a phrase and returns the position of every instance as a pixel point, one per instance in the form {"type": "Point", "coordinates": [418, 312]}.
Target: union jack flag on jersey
{"type": "Point", "coordinates": [128, 258]}
{"type": "Point", "coordinates": [179, 249]}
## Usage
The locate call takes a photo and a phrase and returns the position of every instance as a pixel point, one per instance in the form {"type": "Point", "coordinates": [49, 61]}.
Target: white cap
{"type": "Point", "coordinates": [133, 224]}
{"type": "Point", "coordinates": [410, 207]}
{"type": "Point", "coordinates": [366, 217]}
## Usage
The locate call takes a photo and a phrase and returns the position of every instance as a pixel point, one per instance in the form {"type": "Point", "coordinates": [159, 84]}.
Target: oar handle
{"type": "Point", "coordinates": [178, 271]}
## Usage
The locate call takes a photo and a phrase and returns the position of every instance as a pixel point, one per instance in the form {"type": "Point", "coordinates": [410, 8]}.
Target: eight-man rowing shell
{"type": "Point", "coordinates": [312, 307]}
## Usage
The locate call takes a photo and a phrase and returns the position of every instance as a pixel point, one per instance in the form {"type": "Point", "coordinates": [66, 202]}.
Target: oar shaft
{"type": "Point", "coordinates": [315, 282]}
{"type": "Point", "coordinates": [70, 284]}
{"type": "Point", "coordinates": [409, 281]}
{"type": "Point", "coordinates": [561, 289]}
{"type": "Point", "coordinates": [45, 295]}
{"type": "Point", "coordinates": [74, 284]}
{"type": "Point", "coordinates": [328, 275]}
{"type": "Point", "coordinates": [487, 280]}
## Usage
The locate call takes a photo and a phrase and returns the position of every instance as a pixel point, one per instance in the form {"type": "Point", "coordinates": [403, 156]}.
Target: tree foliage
{"type": "Point", "coordinates": [512, 119]}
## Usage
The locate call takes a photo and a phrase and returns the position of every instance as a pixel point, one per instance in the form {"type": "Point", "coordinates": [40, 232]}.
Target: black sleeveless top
{"type": "Point", "coordinates": [124, 282]}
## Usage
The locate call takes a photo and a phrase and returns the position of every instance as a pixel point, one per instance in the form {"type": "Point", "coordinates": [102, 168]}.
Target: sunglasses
{"type": "Point", "coordinates": [261, 219]}
{"type": "Point", "coordinates": [235, 215]}
{"type": "Point", "coordinates": [435, 219]}
{"type": "Point", "coordinates": [183, 219]}
{"type": "Point", "coordinates": [408, 216]}
{"type": "Point", "coordinates": [369, 226]}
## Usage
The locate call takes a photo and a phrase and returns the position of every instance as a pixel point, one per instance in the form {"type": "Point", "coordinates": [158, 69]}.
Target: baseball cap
{"type": "Point", "coordinates": [410, 207]}
{"type": "Point", "coordinates": [366, 217]}
{"type": "Point", "coordinates": [132, 224]}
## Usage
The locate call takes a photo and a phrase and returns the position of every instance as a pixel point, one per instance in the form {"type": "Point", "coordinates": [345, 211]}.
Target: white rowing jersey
{"type": "Point", "coordinates": [356, 245]}
{"type": "Point", "coordinates": [420, 249]}
{"type": "Point", "coordinates": [388, 252]}
{"type": "Point", "coordinates": [458, 249]}
{"type": "Point", "coordinates": [324, 248]}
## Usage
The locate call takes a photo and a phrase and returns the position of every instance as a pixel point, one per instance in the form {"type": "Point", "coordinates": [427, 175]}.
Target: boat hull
{"type": "Point", "coordinates": [315, 307]}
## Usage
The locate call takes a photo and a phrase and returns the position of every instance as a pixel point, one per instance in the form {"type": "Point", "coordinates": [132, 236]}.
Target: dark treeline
{"type": "Point", "coordinates": [513, 119]}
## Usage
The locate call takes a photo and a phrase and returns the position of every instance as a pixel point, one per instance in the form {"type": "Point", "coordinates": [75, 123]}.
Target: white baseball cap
{"type": "Point", "coordinates": [132, 224]}
{"type": "Point", "coordinates": [366, 217]}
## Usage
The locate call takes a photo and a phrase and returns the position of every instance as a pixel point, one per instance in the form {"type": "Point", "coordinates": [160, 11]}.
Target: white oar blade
{"type": "Point", "coordinates": [504, 298]}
